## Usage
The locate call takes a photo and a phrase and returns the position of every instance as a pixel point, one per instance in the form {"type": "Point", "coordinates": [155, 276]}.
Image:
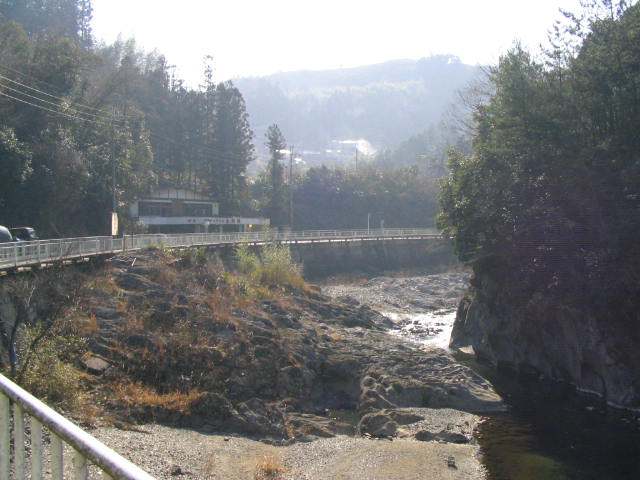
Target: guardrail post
{"type": "Point", "coordinates": [18, 441]}
{"type": "Point", "coordinates": [56, 458]}
{"type": "Point", "coordinates": [36, 449]}
{"type": "Point", "coordinates": [79, 466]}
{"type": "Point", "coordinates": [5, 444]}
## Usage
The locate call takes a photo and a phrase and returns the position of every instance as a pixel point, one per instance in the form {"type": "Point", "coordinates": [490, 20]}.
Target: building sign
{"type": "Point", "coordinates": [114, 224]}
{"type": "Point", "coordinates": [214, 220]}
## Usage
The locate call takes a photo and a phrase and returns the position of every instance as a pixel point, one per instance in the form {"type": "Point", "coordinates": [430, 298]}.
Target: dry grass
{"type": "Point", "coordinates": [163, 273]}
{"type": "Point", "coordinates": [269, 467]}
{"type": "Point", "coordinates": [85, 326]}
{"type": "Point", "coordinates": [136, 395]}
{"type": "Point", "coordinates": [335, 336]}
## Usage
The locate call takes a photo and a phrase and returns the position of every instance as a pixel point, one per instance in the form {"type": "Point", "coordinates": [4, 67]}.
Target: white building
{"type": "Point", "coordinates": [175, 210]}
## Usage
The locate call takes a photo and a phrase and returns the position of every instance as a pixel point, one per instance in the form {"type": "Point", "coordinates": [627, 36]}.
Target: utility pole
{"type": "Point", "coordinates": [356, 158]}
{"type": "Point", "coordinates": [113, 161]}
{"type": "Point", "coordinates": [113, 221]}
{"type": "Point", "coordinates": [291, 187]}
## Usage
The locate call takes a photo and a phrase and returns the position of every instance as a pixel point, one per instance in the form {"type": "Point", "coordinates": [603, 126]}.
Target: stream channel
{"type": "Point", "coordinates": [548, 432]}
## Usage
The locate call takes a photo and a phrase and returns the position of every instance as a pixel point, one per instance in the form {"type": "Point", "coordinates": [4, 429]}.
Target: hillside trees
{"type": "Point", "coordinates": [335, 198]}
{"type": "Point", "coordinates": [233, 146]}
{"type": "Point", "coordinates": [550, 192]}
{"type": "Point", "coordinates": [276, 192]}
{"type": "Point", "coordinates": [70, 112]}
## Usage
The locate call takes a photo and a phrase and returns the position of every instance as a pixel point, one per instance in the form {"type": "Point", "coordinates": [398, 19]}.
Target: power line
{"type": "Point", "coordinates": [50, 110]}
{"type": "Point", "coordinates": [57, 97]}
{"type": "Point", "coordinates": [87, 107]}
{"type": "Point", "coordinates": [20, 92]}
{"type": "Point", "coordinates": [164, 138]}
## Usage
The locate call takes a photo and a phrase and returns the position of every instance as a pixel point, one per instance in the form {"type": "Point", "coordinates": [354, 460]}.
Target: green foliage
{"type": "Point", "coordinates": [427, 150]}
{"type": "Point", "coordinates": [195, 256]}
{"type": "Point", "coordinates": [247, 261]}
{"type": "Point", "coordinates": [274, 267]}
{"type": "Point", "coordinates": [105, 106]}
{"type": "Point", "coordinates": [334, 198]}
{"type": "Point", "coordinates": [46, 371]}
{"type": "Point", "coordinates": [278, 267]}
{"type": "Point", "coordinates": [550, 191]}
{"type": "Point", "coordinates": [274, 177]}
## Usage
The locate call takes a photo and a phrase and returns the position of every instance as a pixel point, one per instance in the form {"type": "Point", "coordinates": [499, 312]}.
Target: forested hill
{"type": "Point", "coordinates": [384, 103]}
{"type": "Point", "coordinates": [84, 125]}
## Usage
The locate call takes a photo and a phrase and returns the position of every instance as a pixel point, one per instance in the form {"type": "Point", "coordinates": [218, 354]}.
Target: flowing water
{"type": "Point", "coordinates": [549, 432]}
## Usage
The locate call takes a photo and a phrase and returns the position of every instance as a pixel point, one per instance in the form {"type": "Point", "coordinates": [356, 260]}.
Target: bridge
{"type": "Point", "coordinates": [51, 437]}
{"type": "Point", "coordinates": [16, 255]}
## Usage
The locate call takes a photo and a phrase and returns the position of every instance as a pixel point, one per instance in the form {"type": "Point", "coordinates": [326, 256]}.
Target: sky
{"type": "Point", "coordinates": [259, 37]}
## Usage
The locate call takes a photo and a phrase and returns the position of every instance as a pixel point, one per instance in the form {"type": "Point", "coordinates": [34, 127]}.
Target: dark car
{"type": "Point", "coordinates": [5, 235]}
{"type": "Point", "coordinates": [24, 234]}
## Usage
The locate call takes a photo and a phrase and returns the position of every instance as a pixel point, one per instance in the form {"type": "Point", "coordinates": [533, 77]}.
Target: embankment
{"type": "Point", "coordinates": [372, 257]}
{"type": "Point", "coordinates": [593, 348]}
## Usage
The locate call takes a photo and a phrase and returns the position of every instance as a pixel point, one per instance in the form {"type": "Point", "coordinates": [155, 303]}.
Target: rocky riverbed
{"type": "Point", "coordinates": [319, 382]}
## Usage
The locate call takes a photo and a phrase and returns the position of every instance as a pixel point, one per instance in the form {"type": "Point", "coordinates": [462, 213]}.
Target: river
{"type": "Point", "coordinates": [548, 431]}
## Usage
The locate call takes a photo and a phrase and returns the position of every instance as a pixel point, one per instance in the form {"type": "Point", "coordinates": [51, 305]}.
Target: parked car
{"type": "Point", "coordinates": [5, 235]}
{"type": "Point", "coordinates": [24, 234]}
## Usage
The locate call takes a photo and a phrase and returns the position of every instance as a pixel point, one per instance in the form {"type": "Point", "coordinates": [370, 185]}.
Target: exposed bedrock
{"type": "Point", "coordinates": [598, 354]}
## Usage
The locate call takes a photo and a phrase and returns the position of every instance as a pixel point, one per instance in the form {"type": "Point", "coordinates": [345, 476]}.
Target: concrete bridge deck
{"type": "Point", "coordinates": [17, 255]}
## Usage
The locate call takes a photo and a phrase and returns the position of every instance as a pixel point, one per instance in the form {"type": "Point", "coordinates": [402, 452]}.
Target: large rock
{"type": "Point", "coordinates": [598, 354]}
{"type": "Point", "coordinates": [133, 281]}
{"type": "Point", "coordinates": [262, 419]}
{"type": "Point", "coordinates": [305, 424]}
{"type": "Point", "coordinates": [377, 424]}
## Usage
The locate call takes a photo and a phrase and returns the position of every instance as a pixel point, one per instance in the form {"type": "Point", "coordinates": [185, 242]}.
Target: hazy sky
{"type": "Point", "coordinates": [257, 37]}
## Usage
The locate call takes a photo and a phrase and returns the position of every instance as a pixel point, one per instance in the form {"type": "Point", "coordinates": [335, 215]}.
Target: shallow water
{"type": "Point", "coordinates": [549, 432]}
{"type": "Point", "coordinates": [430, 329]}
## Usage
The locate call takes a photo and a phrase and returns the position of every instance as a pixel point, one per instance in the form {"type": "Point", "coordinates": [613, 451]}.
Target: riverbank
{"type": "Point", "coordinates": [169, 453]}
{"type": "Point", "coordinates": [201, 369]}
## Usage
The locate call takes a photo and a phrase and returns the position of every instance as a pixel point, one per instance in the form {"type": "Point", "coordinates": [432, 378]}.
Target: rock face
{"type": "Point", "coordinates": [597, 354]}
{"type": "Point", "coordinates": [276, 368]}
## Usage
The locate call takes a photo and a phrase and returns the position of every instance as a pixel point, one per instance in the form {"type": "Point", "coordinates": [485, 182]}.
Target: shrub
{"type": "Point", "coordinates": [269, 467]}
{"type": "Point", "coordinates": [274, 267]}
{"type": "Point", "coordinates": [46, 371]}
{"type": "Point", "coordinates": [247, 261]}
{"type": "Point", "coordinates": [278, 267]}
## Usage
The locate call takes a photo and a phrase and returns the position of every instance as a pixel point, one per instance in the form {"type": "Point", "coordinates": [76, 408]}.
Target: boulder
{"type": "Point", "coordinates": [95, 364]}
{"type": "Point", "coordinates": [443, 436]}
{"type": "Point", "coordinates": [133, 281]}
{"type": "Point", "coordinates": [262, 419]}
{"type": "Point", "coordinates": [377, 424]}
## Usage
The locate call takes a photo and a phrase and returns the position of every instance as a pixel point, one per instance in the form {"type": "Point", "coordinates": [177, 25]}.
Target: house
{"type": "Point", "coordinates": [177, 210]}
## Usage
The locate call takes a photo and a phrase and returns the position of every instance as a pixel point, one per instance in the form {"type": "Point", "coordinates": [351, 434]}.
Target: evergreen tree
{"type": "Point", "coordinates": [233, 146]}
{"type": "Point", "coordinates": [276, 143]}
{"type": "Point", "coordinates": [547, 202]}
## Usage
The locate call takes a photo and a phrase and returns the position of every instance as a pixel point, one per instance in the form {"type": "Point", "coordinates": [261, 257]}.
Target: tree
{"type": "Point", "coordinates": [276, 144]}
{"type": "Point", "coordinates": [547, 200]}
{"type": "Point", "coordinates": [232, 146]}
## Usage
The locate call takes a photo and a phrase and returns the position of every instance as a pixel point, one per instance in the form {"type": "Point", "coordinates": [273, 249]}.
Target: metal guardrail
{"type": "Point", "coordinates": [23, 254]}
{"type": "Point", "coordinates": [86, 448]}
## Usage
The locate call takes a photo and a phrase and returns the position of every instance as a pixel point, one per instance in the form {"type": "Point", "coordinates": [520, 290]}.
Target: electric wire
{"type": "Point", "coordinates": [86, 107]}
{"type": "Point", "coordinates": [79, 112]}
{"type": "Point", "coordinates": [200, 150]}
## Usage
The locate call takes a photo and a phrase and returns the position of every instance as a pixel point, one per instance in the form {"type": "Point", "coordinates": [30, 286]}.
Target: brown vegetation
{"type": "Point", "coordinates": [269, 467]}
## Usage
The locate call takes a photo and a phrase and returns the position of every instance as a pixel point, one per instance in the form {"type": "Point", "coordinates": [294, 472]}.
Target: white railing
{"type": "Point", "coordinates": [86, 449]}
{"type": "Point", "coordinates": [21, 254]}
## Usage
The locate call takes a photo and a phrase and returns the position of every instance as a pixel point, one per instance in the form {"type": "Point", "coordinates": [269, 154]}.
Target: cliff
{"type": "Point", "coordinates": [592, 348]}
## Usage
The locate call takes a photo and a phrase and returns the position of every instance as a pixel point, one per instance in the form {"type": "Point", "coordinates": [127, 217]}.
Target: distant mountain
{"type": "Point", "coordinates": [383, 104]}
